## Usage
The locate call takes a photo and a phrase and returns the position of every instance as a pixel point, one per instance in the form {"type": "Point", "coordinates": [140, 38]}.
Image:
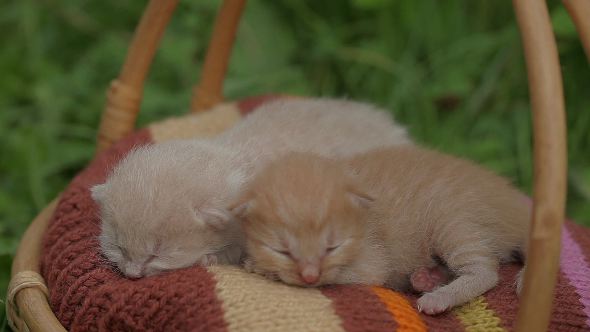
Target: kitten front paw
{"type": "Point", "coordinates": [208, 260]}
{"type": "Point", "coordinates": [434, 303]}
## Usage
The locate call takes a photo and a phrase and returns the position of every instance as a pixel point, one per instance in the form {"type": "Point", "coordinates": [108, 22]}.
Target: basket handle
{"type": "Point", "coordinates": [550, 164]}
{"type": "Point", "coordinates": [579, 11]}
{"type": "Point", "coordinates": [125, 92]}
{"type": "Point", "coordinates": [209, 90]}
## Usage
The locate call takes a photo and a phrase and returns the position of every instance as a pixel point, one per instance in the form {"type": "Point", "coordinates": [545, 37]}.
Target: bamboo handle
{"type": "Point", "coordinates": [125, 92]}
{"type": "Point", "coordinates": [209, 90]}
{"type": "Point", "coordinates": [579, 10]}
{"type": "Point", "coordinates": [550, 160]}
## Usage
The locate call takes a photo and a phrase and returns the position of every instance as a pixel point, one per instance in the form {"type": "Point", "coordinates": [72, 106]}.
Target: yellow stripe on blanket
{"type": "Point", "coordinates": [401, 310]}
{"type": "Point", "coordinates": [476, 317]}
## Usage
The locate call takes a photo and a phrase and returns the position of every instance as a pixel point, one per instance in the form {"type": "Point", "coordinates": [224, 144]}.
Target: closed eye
{"type": "Point", "coordinates": [332, 248]}
{"type": "Point", "coordinates": [283, 252]}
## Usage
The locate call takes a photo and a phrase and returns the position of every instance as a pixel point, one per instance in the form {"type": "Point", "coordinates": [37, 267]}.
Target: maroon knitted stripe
{"type": "Point", "coordinates": [581, 235]}
{"type": "Point", "coordinates": [69, 302]}
{"type": "Point", "coordinates": [181, 301]}
{"type": "Point", "coordinates": [248, 105]}
{"type": "Point", "coordinates": [73, 223]}
{"type": "Point", "coordinates": [502, 299]}
{"type": "Point", "coordinates": [567, 313]}
{"type": "Point", "coordinates": [359, 309]}
{"type": "Point", "coordinates": [70, 246]}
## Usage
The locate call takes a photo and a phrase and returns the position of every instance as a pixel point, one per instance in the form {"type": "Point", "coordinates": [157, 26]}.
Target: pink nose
{"type": "Point", "coordinates": [310, 274]}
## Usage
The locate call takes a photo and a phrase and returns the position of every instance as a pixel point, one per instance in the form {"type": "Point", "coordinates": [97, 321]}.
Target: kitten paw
{"type": "Point", "coordinates": [208, 260]}
{"type": "Point", "coordinates": [250, 267]}
{"type": "Point", "coordinates": [428, 279]}
{"type": "Point", "coordinates": [434, 304]}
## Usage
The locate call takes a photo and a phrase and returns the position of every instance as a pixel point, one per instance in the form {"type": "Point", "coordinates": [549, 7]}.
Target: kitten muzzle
{"type": "Point", "coordinates": [133, 271]}
{"type": "Point", "coordinates": [310, 274]}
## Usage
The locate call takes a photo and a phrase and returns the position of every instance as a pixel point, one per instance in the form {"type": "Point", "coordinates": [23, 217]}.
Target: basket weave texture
{"type": "Point", "coordinates": [87, 295]}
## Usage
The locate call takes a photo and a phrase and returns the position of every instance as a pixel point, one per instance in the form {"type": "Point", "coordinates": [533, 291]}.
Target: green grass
{"type": "Point", "coordinates": [452, 71]}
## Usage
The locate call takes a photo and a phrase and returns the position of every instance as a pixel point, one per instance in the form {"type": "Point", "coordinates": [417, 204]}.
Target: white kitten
{"type": "Point", "coordinates": [166, 206]}
{"type": "Point", "coordinates": [159, 214]}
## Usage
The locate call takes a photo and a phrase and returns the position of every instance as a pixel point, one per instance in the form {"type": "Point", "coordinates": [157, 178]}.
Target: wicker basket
{"type": "Point", "coordinates": [27, 305]}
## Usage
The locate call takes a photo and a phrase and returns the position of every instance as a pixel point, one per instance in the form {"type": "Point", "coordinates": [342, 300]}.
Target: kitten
{"type": "Point", "coordinates": [158, 210]}
{"type": "Point", "coordinates": [166, 206]}
{"type": "Point", "coordinates": [379, 217]}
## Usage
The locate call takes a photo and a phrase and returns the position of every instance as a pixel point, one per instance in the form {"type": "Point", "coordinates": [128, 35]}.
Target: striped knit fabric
{"type": "Point", "coordinates": [87, 295]}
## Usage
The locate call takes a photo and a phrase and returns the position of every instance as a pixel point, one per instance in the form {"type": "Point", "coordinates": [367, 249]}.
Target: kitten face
{"type": "Point", "coordinates": [143, 252]}
{"type": "Point", "coordinates": [161, 211]}
{"type": "Point", "coordinates": [150, 257]}
{"type": "Point", "coordinates": [303, 222]}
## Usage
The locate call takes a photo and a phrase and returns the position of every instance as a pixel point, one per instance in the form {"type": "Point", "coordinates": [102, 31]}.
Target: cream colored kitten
{"type": "Point", "coordinates": [379, 217]}
{"type": "Point", "coordinates": [165, 206]}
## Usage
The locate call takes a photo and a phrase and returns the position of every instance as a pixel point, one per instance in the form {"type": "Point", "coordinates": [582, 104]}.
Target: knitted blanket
{"type": "Point", "coordinates": [87, 295]}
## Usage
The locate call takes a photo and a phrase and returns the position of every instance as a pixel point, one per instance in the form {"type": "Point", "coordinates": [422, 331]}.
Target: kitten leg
{"type": "Point", "coordinates": [474, 264]}
{"type": "Point", "coordinates": [473, 280]}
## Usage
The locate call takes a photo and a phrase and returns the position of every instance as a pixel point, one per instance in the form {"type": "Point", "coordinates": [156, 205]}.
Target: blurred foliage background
{"type": "Point", "coordinates": [452, 71]}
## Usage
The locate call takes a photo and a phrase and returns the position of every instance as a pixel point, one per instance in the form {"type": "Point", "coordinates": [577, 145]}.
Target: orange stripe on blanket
{"type": "Point", "coordinates": [403, 312]}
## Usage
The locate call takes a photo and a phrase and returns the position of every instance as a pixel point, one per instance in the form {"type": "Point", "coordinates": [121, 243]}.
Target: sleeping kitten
{"type": "Point", "coordinates": [165, 206]}
{"type": "Point", "coordinates": [379, 217]}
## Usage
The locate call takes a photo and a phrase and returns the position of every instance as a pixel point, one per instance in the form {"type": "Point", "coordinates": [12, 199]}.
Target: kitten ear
{"type": "Point", "coordinates": [214, 218]}
{"type": "Point", "coordinates": [98, 192]}
{"type": "Point", "coordinates": [360, 199]}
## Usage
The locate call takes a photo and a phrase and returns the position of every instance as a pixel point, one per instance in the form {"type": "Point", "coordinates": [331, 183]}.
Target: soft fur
{"type": "Point", "coordinates": [166, 206]}
{"type": "Point", "coordinates": [303, 217]}
{"type": "Point", "coordinates": [418, 206]}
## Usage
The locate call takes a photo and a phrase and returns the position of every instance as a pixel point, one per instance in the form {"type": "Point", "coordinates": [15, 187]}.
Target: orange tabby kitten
{"type": "Point", "coordinates": [379, 217]}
